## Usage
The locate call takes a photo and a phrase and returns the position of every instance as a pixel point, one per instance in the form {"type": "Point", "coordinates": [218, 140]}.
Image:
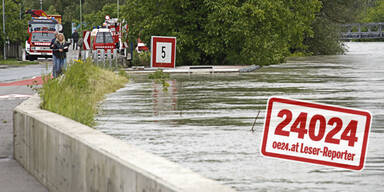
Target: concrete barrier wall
{"type": "Point", "coordinates": [67, 156]}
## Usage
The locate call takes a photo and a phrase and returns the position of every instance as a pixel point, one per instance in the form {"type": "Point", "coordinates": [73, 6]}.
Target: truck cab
{"type": "Point", "coordinates": [41, 31]}
{"type": "Point", "coordinates": [38, 43]}
{"type": "Point", "coordinates": [102, 39]}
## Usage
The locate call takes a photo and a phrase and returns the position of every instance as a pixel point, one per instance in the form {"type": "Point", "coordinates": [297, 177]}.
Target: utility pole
{"type": "Point", "coordinates": [81, 20]}
{"type": "Point", "coordinates": [5, 52]}
{"type": "Point", "coordinates": [41, 4]}
{"type": "Point", "coordinates": [21, 9]}
{"type": "Point", "coordinates": [118, 6]}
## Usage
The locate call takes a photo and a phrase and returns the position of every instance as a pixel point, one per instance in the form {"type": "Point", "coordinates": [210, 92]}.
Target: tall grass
{"type": "Point", "coordinates": [160, 77]}
{"type": "Point", "coordinates": [77, 93]}
{"type": "Point", "coordinates": [14, 62]}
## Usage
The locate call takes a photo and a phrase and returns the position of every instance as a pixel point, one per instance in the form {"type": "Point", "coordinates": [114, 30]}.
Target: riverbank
{"type": "Point", "coordinates": [76, 94]}
{"type": "Point", "coordinates": [198, 69]}
{"type": "Point", "coordinates": [65, 155]}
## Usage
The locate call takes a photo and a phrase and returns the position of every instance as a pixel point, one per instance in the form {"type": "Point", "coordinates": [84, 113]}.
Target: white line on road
{"type": "Point", "coordinates": [14, 96]}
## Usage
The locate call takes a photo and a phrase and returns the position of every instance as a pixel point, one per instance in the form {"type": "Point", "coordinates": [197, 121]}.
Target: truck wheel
{"type": "Point", "coordinates": [31, 58]}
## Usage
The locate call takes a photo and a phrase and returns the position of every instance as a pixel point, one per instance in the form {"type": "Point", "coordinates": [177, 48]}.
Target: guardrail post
{"type": "Point", "coordinates": [102, 57]}
{"type": "Point", "coordinates": [84, 55]}
{"type": "Point", "coordinates": [359, 30]}
{"type": "Point", "coordinates": [115, 57]}
{"type": "Point", "coordinates": [109, 58]}
{"type": "Point", "coordinates": [95, 57]}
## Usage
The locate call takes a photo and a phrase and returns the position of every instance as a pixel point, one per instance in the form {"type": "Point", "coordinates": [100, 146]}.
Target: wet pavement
{"type": "Point", "coordinates": [11, 73]}
{"type": "Point", "coordinates": [13, 91]}
{"type": "Point", "coordinates": [25, 72]}
{"type": "Point", "coordinates": [13, 178]}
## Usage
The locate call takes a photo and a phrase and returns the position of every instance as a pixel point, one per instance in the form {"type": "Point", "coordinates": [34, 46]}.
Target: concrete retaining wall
{"type": "Point", "coordinates": [67, 156]}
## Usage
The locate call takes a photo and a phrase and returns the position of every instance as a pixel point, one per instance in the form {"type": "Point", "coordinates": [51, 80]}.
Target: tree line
{"type": "Point", "coordinates": [214, 31]}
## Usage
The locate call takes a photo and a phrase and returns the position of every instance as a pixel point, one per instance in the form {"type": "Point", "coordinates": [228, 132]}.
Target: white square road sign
{"type": "Point", "coordinates": [163, 52]}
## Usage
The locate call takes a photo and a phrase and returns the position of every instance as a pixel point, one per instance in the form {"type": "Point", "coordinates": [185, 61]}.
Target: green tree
{"type": "Point", "coordinates": [52, 10]}
{"type": "Point", "coordinates": [97, 18]}
{"type": "Point", "coordinates": [224, 31]}
{"type": "Point", "coordinates": [326, 27]}
{"type": "Point", "coordinates": [374, 12]}
{"type": "Point", "coordinates": [15, 27]}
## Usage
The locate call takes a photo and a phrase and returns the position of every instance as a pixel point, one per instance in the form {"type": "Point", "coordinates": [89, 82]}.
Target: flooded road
{"type": "Point", "coordinates": [203, 121]}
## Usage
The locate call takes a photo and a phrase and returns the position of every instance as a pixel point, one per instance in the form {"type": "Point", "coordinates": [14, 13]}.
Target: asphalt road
{"type": "Point", "coordinates": [13, 178]}
{"type": "Point", "coordinates": [13, 91]}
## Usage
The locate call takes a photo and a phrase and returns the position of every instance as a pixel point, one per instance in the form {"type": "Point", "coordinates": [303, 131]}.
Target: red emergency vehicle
{"type": "Point", "coordinates": [114, 26]}
{"type": "Point", "coordinates": [109, 37]}
{"type": "Point", "coordinates": [41, 31]}
{"type": "Point", "coordinates": [117, 31]}
{"type": "Point", "coordinates": [102, 39]}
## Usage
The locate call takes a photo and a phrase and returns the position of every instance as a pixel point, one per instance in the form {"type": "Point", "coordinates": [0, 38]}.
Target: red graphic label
{"type": "Point", "coordinates": [316, 133]}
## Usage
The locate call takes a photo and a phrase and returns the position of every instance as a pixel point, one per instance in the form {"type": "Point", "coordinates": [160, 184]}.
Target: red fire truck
{"type": "Point", "coordinates": [114, 26]}
{"type": "Point", "coordinates": [41, 31]}
{"type": "Point", "coordinates": [102, 39]}
{"type": "Point", "coordinates": [117, 31]}
{"type": "Point", "coordinates": [109, 37]}
{"type": "Point", "coordinates": [106, 37]}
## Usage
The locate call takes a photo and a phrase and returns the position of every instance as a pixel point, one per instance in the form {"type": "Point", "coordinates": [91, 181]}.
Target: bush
{"type": "Point", "coordinates": [227, 32]}
{"type": "Point", "coordinates": [326, 26]}
{"type": "Point", "coordinates": [326, 40]}
{"type": "Point", "coordinates": [141, 59]}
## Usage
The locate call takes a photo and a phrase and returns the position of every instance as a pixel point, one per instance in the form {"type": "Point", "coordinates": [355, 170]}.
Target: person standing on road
{"type": "Point", "coordinates": [54, 67]}
{"type": "Point", "coordinates": [60, 49]}
{"type": "Point", "coordinates": [80, 44]}
{"type": "Point", "coordinates": [75, 37]}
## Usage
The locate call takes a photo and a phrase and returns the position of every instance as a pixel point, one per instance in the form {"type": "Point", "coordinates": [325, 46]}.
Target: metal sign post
{"type": "Point", "coordinates": [5, 52]}
{"type": "Point", "coordinates": [81, 18]}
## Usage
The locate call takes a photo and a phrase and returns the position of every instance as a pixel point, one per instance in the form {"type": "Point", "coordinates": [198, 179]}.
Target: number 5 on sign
{"type": "Point", "coordinates": [163, 52]}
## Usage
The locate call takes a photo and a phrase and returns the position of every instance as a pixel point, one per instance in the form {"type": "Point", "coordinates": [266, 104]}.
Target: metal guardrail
{"type": "Point", "coordinates": [13, 50]}
{"type": "Point", "coordinates": [105, 59]}
{"type": "Point", "coordinates": [362, 31]}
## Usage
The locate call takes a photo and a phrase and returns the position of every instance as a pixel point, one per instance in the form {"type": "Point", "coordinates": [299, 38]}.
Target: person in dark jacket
{"type": "Point", "coordinates": [75, 37]}
{"type": "Point", "coordinates": [60, 49]}
{"type": "Point", "coordinates": [53, 56]}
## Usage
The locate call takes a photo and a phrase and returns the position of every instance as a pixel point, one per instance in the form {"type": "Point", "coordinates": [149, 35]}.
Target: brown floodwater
{"type": "Point", "coordinates": [203, 121]}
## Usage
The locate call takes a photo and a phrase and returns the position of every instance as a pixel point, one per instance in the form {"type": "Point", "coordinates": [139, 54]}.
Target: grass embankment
{"type": "Point", "coordinates": [14, 62]}
{"type": "Point", "coordinates": [77, 93]}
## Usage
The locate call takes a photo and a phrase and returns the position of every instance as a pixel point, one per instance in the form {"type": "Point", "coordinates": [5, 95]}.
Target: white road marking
{"type": "Point", "coordinates": [14, 96]}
